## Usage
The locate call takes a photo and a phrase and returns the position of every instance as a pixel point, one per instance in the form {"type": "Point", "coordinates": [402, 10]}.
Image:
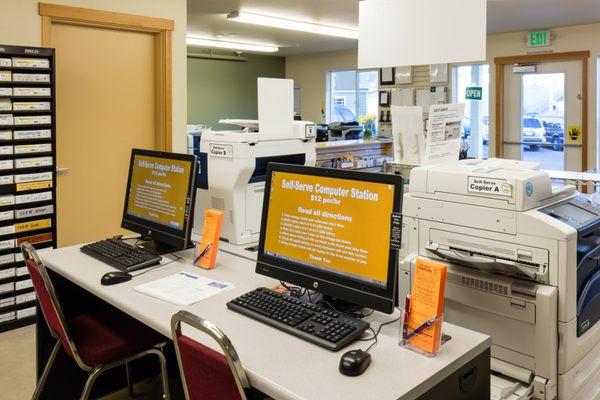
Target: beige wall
{"type": "Point", "coordinates": [20, 24]}
{"type": "Point", "coordinates": [308, 71]}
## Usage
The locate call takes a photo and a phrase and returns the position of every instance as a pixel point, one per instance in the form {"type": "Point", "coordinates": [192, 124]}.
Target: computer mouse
{"type": "Point", "coordinates": [354, 362]}
{"type": "Point", "coordinates": [112, 278]}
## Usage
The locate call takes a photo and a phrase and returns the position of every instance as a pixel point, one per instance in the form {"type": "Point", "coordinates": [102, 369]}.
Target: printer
{"type": "Point", "coordinates": [523, 262]}
{"type": "Point", "coordinates": [345, 131]}
{"type": "Point", "coordinates": [233, 163]}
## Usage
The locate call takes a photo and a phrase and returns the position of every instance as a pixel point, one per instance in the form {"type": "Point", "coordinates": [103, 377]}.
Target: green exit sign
{"type": "Point", "coordinates": [539, 39]}
{"type": "Point", "coordinates": [473, 93]}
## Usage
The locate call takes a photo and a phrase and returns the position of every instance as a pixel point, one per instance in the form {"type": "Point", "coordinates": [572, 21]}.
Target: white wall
{"type": "Point", "coordinates": [308, 71]}
{"type": "Point", "coordinates": [20, 24]}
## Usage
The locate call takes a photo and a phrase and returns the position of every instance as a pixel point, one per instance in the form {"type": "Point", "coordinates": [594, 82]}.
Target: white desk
{"type": "Point", "coordinates": [280, 365]}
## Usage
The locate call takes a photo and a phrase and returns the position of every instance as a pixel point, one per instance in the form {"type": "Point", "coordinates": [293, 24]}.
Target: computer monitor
{"type": "Point", "coordinates": [159, 198]}
{"type": "Point", "coordinates": [329, 230]}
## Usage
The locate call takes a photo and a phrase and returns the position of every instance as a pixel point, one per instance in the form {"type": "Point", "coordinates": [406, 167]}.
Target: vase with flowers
{"type": "Point", "coordinates": [368, 123]}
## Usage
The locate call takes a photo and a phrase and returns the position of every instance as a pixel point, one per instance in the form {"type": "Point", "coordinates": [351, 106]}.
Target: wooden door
{"type": "Point", "coordinates": [106, 105]}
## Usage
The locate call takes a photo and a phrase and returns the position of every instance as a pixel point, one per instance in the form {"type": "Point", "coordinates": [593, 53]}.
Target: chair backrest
{"type": "Point", "coordinates": [208, 374]}
{"type": "Point", "coordinates": [47, 297]}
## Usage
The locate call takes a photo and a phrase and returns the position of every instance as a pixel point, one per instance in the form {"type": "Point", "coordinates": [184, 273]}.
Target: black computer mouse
{"type": "Point", "coordinates": [112, 278]}
{"type": "Point", "coordinates": [354, 362]}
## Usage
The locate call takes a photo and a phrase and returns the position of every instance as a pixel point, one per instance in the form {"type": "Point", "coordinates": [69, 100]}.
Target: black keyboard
{"type": "Point", "coordinates": [300, 318]}
{"type": "Point", "coordinates": [121, 255]}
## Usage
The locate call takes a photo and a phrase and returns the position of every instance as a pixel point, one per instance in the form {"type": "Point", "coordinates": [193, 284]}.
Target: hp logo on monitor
{"type": "Point", "coordinates": [315, 285]}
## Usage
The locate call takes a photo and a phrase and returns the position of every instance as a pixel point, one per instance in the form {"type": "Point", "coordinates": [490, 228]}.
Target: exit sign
{"type": "Point", "coordinates": [473, 93]}
{"type": "Point", "coordinates": [539, 38]}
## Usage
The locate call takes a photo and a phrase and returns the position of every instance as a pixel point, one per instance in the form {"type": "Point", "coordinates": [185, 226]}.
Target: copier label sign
{"type": "Point", "coordinates": [221, 150]}
{"type": "Point", "coordinates": [499, 187]}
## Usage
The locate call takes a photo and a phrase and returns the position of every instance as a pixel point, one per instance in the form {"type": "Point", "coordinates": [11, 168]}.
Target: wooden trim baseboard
{"type": "Point", "coordinates": [501, 62]}
{"type": "Point", "coordinates": [136, 22]}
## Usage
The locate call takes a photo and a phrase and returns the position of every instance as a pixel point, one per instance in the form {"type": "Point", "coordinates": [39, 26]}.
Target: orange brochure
{"type": "Point", "coordinates": [427, 304]}
{"type": "Point", "coordinates": [206, 250]}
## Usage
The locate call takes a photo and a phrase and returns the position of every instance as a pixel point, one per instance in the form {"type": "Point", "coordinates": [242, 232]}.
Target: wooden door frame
{"type": "Point", "coordinates": [501, 62]}
{"type": "Point", "coordinates": [160, 27]}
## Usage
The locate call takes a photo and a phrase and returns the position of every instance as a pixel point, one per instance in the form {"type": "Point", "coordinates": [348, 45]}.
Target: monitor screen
{"type": "Point", "coordinates": [159, 192]}
{"type": "Point", "coordinates": [333, 225]}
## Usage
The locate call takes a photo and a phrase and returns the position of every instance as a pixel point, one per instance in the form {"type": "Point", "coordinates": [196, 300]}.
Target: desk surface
{"type": "Point", "coordinates": [281, 365]}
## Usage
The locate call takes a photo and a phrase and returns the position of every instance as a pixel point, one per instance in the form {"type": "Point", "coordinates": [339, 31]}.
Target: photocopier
{"type": "Point", "coordinates": [523, 262]}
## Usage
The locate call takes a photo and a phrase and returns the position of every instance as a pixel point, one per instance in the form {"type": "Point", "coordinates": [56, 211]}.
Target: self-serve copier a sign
{"type": "Point", "coordinates": [494, 186]}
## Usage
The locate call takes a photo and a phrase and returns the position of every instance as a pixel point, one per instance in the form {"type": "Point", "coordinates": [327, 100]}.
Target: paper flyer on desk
{"type": "Point", "coordinates": [445, 129]}
{"type": "Point", "coordinates": [183, 288]}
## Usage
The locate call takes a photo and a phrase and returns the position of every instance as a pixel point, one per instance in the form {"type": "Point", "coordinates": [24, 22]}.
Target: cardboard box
{"type": "Point", "coordinates": [6, 135]}
{"type": "Point", "coordinates": [31, 105]}
{"type": "Point", "coordinates": [32, 148]}
{"type": "Point", "coordinates": [21, 187]}
{"type": "Point", "coordinates": [7, 179]}
{"type": "Point", "coordinates": [9, 316]}
{"type": "Point", "coordinates": [7, 230]}
{"type": "Point", "coordinates": [33, 197]}
{"type": "Point", "coordinates": [5, 62]}
{"type": "Point", "coordinates": [7, 215]}
{"type": "Point", "coordinates": [7, 287]}
{"type": "Point", "coordinates": [8, 273]}
{"type": "Point", "coordinates": [32, 225]}
{"type": "Point", "coordinates": [6, 91]}
{"type": "Point", "coordinates": [7, 302]}
{"type": "Point", "coordinates": [30, 62]}
{"type": "Point", "coordinates": [37, 176]}
{"type": "Point", "coordinates": [18, 77]}
{"type": "Point", "coordinates": [33, 162]}
{"type": "Point", "coordinates": [7, 244]}
{"type": "Point", "coordinates": [7, 259]}
{"type": "Point", "coordinates": [33, 120]}
{"type": "Point", "coordinates": [31, 91]}
{"type": "Point", "coordinates": [32, 134]}
{"type": "Point", "coordinates": [5, 76]}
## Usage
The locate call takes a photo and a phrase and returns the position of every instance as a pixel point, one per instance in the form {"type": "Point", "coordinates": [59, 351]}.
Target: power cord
{"type": "Point", "coordinates": [376, 333]}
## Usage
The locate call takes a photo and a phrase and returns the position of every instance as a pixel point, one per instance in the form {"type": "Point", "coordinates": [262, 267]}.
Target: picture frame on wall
{"type": "Point", "coordinates": [386, 76]}
{"type": "Point", "coordinates": [438, 73]}
{"type": "Point", "coordinates": [384, 98]}
{"type": "Point", "coordinates": [403, 75]}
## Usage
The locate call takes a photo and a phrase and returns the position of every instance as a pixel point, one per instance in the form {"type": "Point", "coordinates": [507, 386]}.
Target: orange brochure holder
{"type": "Point", "coordinates": [206, 250]}
{"type": "Point", "coordinates": [424, 316]}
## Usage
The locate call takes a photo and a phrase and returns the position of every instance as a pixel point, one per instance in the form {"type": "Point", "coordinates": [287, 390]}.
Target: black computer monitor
{"type": "Point", "coordinates": [329, 230]}
{"type": "Point", "coordinates": [159, 198]}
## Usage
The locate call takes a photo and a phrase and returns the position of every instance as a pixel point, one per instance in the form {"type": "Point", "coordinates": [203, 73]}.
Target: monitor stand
{"type": "Point", "coordinates": [339, 305]}
{"type": "Point", "coordinates": [159, 248]}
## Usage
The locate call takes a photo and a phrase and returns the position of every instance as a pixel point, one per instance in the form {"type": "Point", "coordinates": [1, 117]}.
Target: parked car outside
{"type": "Point", "coordinates": [555, 134]}
{"type": "Point", "coordinates": [533, 133]}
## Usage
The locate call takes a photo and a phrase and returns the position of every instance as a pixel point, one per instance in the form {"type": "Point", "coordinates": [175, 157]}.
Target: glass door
{"type": "Point", "coordinates": [542, 106]}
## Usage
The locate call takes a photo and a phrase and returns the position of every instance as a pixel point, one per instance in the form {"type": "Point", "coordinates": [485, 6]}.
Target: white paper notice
{"type": "Point", "coordinates": [183, 288]}
{"type": "Point", "coordinates": [443, 138]}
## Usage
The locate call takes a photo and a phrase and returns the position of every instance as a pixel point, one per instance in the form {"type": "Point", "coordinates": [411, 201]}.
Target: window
{"type": "Point", "coordinates": [476, 129]}
{"type": "Point", "coordinates": [351, 94]}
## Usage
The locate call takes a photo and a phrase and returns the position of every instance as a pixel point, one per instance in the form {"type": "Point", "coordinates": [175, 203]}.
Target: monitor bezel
{"type": "Point", "coordinates": [161, 233]}
{"type": "Point", "coordinates": [325, 282]}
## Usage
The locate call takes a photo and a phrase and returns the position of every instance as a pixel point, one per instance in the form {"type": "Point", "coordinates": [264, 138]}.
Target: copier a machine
{"type": "Point", "coordinates": [523, 267]}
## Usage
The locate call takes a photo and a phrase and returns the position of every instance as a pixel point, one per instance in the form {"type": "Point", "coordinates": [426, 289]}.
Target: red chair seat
{"type": "Point", "coordinates": [108, 335]}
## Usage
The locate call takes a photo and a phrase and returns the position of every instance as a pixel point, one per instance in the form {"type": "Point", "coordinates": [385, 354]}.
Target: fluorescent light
{"type": "Point", "coordinates": [283, 23]}
{"type": "Point", "coordinates": [193, 41]}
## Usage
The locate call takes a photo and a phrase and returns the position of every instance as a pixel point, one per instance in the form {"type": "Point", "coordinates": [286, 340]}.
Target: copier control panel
{"type": "Point", "coordinates": [577, 212]}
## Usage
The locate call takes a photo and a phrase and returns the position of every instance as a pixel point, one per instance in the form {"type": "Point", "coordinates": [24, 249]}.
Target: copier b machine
{"type": "Point", "coordinates": [524, 268]}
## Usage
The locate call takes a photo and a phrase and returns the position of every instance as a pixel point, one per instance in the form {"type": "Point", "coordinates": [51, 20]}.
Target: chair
{"type": "Point", "coordinates": [97, 341]}
{"type": "Point", "coordinates": [207, 374]}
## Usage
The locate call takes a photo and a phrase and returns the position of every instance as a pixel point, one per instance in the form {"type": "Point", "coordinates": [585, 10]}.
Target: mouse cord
{"type": "Point", "coordinates": [177, 258]}
{"type": "Point", "coordinates": [376, 333]}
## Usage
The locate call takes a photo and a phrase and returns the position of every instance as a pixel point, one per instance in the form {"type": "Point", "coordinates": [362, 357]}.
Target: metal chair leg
{"type": "Point", "coordinates": [42, 381]}
{"type": "Point", "coordinates": [129, 380]}
{"type": "Point", "coordinates": [163, 374]}
{"type": "Point", "coordinates": [87, 390]}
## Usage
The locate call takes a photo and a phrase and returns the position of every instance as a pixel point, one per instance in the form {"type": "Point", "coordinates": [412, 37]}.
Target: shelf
{"type": "Point", "coordinates": [22, 112]}
{"type": "Point", "coordinates": [26, 69]}
{"type": "Point", "coordinates": [17, 323]}
{"type": "Point", "coordinates": [23, 84]}
{"type": "Point", "coordinates": [28, 98]}
{"type": "Point", "coordinates": [25, 127]}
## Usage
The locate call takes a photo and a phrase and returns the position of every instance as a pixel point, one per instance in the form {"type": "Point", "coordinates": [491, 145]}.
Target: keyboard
{"type": "Point", "coordinates": [299, 317]}
{"type": "Point", "coordinates": [121, 255]}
